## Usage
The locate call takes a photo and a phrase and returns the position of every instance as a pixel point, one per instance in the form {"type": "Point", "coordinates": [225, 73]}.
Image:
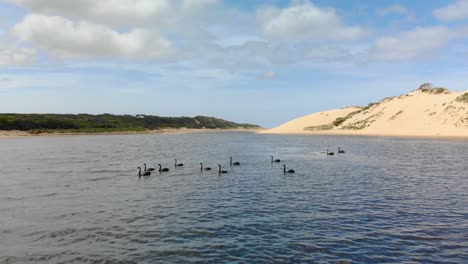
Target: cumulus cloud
{"type": "Point", "coordinates": [415, 43]}
{"type": "Point", "coordinates": [456, 11]}
{"type": "Point", "coordinates": [70, 39]}
{"type": "Point", "coordinates": [135, 29]}
{"type": "Point", "coordinates": [110, 12]}
{"type": "Point", "coordinates": [305, 21]}
{"type": "Point", "coordinates": [123, 13]}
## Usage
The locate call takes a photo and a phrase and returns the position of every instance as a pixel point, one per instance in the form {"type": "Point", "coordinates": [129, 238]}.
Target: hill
{"type": "Point", "coordinates": [426, 111]}
{"type": "Point", "coordinates": [86, 123]}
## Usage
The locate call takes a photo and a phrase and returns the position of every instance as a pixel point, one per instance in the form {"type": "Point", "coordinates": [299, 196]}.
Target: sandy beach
{"type": "Point", "coordinates": [16, 133]}
{"type": "Point", "coordinates": [416, 114]}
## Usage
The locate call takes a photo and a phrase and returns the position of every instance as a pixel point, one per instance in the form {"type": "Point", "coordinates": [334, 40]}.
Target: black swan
{"type": "Point", "coordinates": [146, 173]}
{"type": "Point", "coordinates": [221, 171]}
{"type": "Point", "coordinates": [178, 164]}
{"type": "Point", "coordinates": [162, 169]}
{"type": "Point", "coordinates": [287, 171]}
{"type": "Point", "coordinates": [201, 167]}
{"type": "Point", "coordinates": [340, 151]}
{"type": "Point", "coordinates": [233, 163]}
{"type": "Point", "coordinates": [276, 160]}
{"type": "Point", "coordinates": [149, 169]}
{"type": "Point", "coordinates": [330, 153]}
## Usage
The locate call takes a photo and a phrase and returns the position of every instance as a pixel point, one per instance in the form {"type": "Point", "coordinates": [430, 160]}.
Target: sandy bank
{"type": "Point", "coordinates": [15, 133]}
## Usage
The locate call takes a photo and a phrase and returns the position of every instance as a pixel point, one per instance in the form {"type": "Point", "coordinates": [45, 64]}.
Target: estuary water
{"type": "Point", "coordinates": [78, 199]}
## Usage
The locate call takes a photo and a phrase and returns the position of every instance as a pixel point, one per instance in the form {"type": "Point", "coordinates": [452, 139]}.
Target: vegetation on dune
{"type": "Point", "coordinates": [395, 115]}
{"type": "Point", "coordinates": [427, 88]}
{"type": "Point", "coordinates": [369, 106]}
{"type": "Point", "coordinates": [86, 123]}
{"type": "Point", "coordinates": [319, 128]}
{"type": "Point", "coordinates": [344, 123]}
{"type": "Point", "coordinates": [339, 121]}
{"type": "Point", "coordinates": [462, 98]}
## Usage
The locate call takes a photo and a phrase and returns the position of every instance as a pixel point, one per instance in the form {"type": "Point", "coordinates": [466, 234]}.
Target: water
{"type": "Point", "coordinates": [78, 199]}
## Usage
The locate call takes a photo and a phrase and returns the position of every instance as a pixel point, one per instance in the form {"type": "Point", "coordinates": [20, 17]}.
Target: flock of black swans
{"type": "Point", "coordinates": [147, 171]}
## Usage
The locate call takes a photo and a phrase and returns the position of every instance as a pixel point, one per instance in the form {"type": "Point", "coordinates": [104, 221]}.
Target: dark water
{"type": "Point", "coordinates": [79, 200]}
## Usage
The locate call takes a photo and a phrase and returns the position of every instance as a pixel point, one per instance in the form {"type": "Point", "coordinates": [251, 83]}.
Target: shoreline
{"type": "Point", "coordinates": [21, 134]}
{"type": "Point", "coordinates": [366, 134]}
{"type": "Point", "coordinates": [262, 131]}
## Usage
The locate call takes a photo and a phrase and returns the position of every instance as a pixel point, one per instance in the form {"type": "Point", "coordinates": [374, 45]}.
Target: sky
{"type": "Point", "coordinates": [262, 62]}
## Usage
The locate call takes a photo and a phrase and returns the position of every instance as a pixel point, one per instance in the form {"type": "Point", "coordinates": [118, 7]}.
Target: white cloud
{"type": "Point", "coordinates": [456, 11]}
{"type": "Point", "coordinates": [16, 56]}
{"type": "Point", "coordinates": [110, 12]}
{"type": "Point", "coordinates": [305, 21]}
{"type": "Point", "coordinates": [136, 29]}
{"type": "Point", "coordinates": [415, 43]}
{"type": "Point", "coordinates": [69, 39]}
{"type": "Point", "coordinates": [125, 13]}
{"type": "Point", "coordinates": [393, 9]}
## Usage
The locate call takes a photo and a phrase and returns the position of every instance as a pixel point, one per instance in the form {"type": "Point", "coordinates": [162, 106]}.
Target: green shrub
{"type": "Point", "coordinates": [42, 123]}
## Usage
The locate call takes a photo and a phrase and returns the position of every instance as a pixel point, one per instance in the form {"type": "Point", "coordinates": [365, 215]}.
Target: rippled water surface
{"type": "Point", "coordinates": [79, 199]}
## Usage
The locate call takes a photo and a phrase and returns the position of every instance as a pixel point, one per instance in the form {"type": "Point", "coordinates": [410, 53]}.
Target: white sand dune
{"type": "Point", "coordinates": [321, 118]}
{"type": "Point", "coordinates": [424, 112]}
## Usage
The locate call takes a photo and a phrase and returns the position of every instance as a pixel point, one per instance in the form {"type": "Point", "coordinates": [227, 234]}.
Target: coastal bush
{"type": "Point", "coordinates": [356, 126]}
{"type": "Point", "coordinates": [108, 123]}
{"type": "Point", "coordinates": [338, 121]}
{"type": "Point", "coordinates": [319, 128]}
{"type": "Point", "coordinates": [341, 120]}
{"type": "Point", "coordinates": [369, 106]}
{"type": "Point", "coordinates": [427, 88]}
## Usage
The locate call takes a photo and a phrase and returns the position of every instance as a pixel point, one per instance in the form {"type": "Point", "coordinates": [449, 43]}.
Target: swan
{"type": "Point", "coordinates": [340, 151]}
{"type": "Point", "coordinates": [276, 160]}
{"type": "Point", "coordinates": [233, 163]}
{"type": "Point", "coordinates": [178, 164]}
{"type": "Point", "coordinates": [146, 173]}
{"type": "Point", "coordinates": [149, 169]}
{"type": "Point", "coordinates": [201, 167]}
{"type": "Point", "coordinates": [287, 171]}
{"type": "Point", "coordinates": [221, 171]}
{"type": "Point", "coordinates": [162, 169]}
{"type": "Point", "coordinates": [330, 153]}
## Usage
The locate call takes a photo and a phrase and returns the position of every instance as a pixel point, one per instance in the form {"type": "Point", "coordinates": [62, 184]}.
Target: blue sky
{"type": "Point", "coordinates": [262, 62]}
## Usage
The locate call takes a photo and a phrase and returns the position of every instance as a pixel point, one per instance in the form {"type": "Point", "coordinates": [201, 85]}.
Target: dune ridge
{"type": "Point", "coordinates": [426, 111]}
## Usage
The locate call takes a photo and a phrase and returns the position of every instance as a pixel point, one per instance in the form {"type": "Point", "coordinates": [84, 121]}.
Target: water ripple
{"type": "Point", "coordinates": [375, 204]}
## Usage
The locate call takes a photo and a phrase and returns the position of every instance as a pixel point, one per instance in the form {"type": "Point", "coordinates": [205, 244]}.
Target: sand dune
{"type": "Point", "coordinates": [425, 111]}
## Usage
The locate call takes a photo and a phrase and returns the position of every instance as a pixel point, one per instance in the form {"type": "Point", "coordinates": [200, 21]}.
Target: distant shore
{"type": "Point", "coordinates": [18, 133]}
